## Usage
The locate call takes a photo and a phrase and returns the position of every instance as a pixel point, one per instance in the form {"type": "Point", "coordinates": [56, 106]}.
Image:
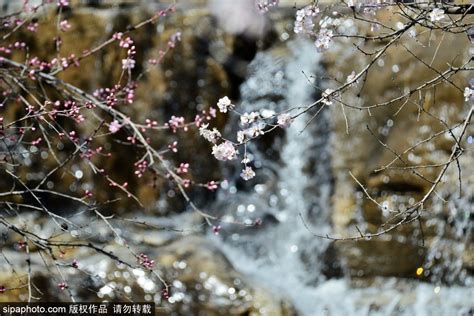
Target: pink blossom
{"type": "Point", "coordinates": [63, 3]}
{"type": "Point", "coordinates": [63, 286]}
{"type": "Point", "coordinates": [128, 63]}
{"type": "Point", "coordinates": [64, 25]}
{"type": "Point", "coordinates": [216, 229]}
{"type": "Point", "coordinates": [212, 185]}
{"type": "Point", "coordinates": [145, 261]}
{"type": "Point", "coordinates": [176, 122]}
{"type": "Point", "coordinates": [173, 147]}
{"type": "Point", "coordinates": [33, 27]}
{"type": "Point", "coordinates": [141, 168]}
{"type": "Point", "coordinates": [126, 42]}
{"type": "Point", "coordinates": [114, 126]}
{"type": "Point", "coordinates": [183, 168]}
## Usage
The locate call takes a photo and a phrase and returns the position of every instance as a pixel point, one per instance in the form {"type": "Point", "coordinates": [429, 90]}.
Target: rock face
{"type": "Point", "coordinates": [202, 281]}
{"type": "Point", "coordinates": [191, 79]}
{"type": "Point", "coordinates": [399, 125]}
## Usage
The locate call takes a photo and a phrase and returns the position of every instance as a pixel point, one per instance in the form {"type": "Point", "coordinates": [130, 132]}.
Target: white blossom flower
{"type": "Point", "coordinates": [114, 126]}
{"type": "Point", "coordinates": [241, 136]}
{"type": "Point", "coordinates": [210, 136]}
{"type": "Point", "coordinates": [255, 131]}
{"type": "Point", "coordinates": [304, 19]}
{"type": "Point", "coordinates": [284, 120]}
{"type": "Point", "coordinates": [247, 173]}
{"type": "Point", "coordinates": [247, 118]}
{"type": "Point", "coordinates": [224, 104]}
{"type": "Point", "coordinates": [436, 15]}
{"type": "Point", "coordinates": [128, 63]}
{"type": "Point", "coordinates": [264, 5]}
{"type": "Point", "coordinates": [327, 97]}
{"type": "Point", "coordinates": [323, 39]}
{"type": "Point", "coordinates": [224, 151]}
{"type": "Point", "coordinates": [468, 93]}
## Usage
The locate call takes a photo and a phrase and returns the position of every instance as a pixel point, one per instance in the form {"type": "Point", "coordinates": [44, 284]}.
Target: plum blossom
{"type": "Point", "coordinates": [176, 122]}
{"type": "Point", "coordinates": [304, 19]}
{"type": "Point", "coordinates": [64, 25]}
{"type": "Point", "coordinates": [240, 136]}
{"type": "Point", "coordinates": [224, 151]}
{"type": "Point", "coordinates": [183, 168]}
{"type": "Point", "coordinates": [323, 39]}
{"type": "Point", "coordinates": [265, 5]}
{"type": "Point", "coordinates": [216, 229]}
{"type": "Point", "coordinates": [128, 63]}
{"type": "Point", "coordinates": [63, 3]}
{"type": "Point", "coordinates": [255, 131]}
{"type": "Point", "coordinates": [176, 37]}
{"type": "Point", "coordinates": [211, 185]}
{"type": "Point", "coordinates": [224, 104]}
{"type": "Point", "coordinates": [63, 286]}
{"type": "Point", "coordinates": [145, 261]}
{"type": "Point", "coordinates": [141, 167]}
{"type": "Point", "coordinates": [327, 97]}
{"type": "Point", "coordinates": [33, 27]}
{"type": "Point", "coordinates": [468, 94]}
{"type": "Point", "coordinates": [247, 118]}
{"type": "Point", "coordinates": [284, 120]}
{"type": "Point", "coordinates": [209, 135]}
{"type": "Point", "coordinates": [437, 15]}
{"type": "Point", "coordinates": [125, 42]}
{"type": "Point", "coordinates": [114, 126]}
{"type": "Point", "coordinates": [247, 173]}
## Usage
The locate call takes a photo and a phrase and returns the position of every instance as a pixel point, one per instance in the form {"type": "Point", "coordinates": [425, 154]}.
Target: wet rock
{"type": "Point", "coordinates": [381, 257]}
{"type": "Point", "coordinates": [204, 280]}
{"type": "Point", "coordinates": [191, 78]}
{"type": "Point", "coordinates": [399, 126]}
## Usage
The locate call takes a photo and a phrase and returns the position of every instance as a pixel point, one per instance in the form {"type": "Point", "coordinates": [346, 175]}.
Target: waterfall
{"type": "Point", "coordinates": [297, 183]}
{"type": "Point", "coordinates": [294, 177]}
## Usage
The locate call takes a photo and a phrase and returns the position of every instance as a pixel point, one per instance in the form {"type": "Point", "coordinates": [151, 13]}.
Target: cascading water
{"type": "Point", "coordinates": [292, 186]}
{"type": "Point", "coordinates": [294, 178]}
